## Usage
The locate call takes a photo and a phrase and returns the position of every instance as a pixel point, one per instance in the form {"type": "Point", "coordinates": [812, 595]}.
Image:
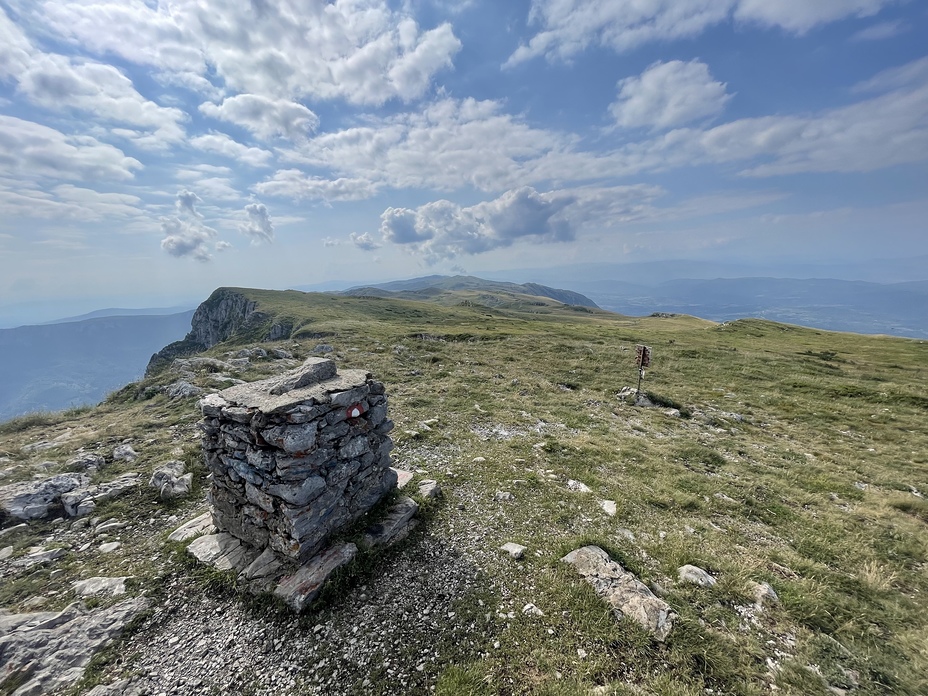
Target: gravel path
{"type": "Point", "coordinates": [393, 631]}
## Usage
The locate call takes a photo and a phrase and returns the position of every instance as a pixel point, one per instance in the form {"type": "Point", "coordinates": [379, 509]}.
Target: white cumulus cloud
{"type": "Point", "coordinates": [361, 51]}
{"type": "Point", "coordinates": [258, 225]}
{"type": "Point", "coordinates": [668, 95]}
{"type": "Point", "coordinates": [57, 82]}
{"type": "Point", "coordinates": [29, 149]}
{"type": "Point", "coordinates": [443, 230]}
{"type": "Point", "coordinates": [363, 241]}
{"type": "Point", "coordinates": [266, 118]}
{"type": "Point", "coordinates": [184, 232]}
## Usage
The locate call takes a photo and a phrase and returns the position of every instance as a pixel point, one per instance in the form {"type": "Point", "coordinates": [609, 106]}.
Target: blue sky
{"type": "Point", "coordinates": [152, 151]}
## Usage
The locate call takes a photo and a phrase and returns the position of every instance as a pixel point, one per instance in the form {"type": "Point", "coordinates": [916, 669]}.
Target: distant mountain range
{"type": "Point", "coordinates": [71, 363]}
{"type": "Point", "coordinates": [79, 360]}
{"type": "Point", "coordinates": [122, 312]}
{"type": "Point", "coordinates": [899, 309]}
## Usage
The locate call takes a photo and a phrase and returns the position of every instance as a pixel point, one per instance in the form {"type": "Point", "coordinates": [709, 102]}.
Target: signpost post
{"type": "Point", "coordinates": [642, 360]}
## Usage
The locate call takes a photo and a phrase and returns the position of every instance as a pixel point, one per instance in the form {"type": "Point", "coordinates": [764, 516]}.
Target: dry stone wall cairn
{"type": "Point", "coordinates": [296, 458]}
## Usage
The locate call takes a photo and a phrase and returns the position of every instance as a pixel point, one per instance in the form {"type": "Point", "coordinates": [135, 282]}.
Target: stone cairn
{"type": "Point", "coordinates": [296, 458]}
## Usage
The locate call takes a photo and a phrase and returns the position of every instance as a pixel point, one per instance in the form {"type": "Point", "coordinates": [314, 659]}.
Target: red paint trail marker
{"type": "Point", "coordinates": [356, 411]}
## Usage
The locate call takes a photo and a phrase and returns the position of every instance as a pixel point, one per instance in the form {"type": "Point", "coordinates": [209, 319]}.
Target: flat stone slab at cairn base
{"type": "Point", "coordinates": [394, 527]}
{"type": "Point", "coordinates": [301, 588]}
{"type": "Point", "coordinates": [198, 525]}
{"type": "Point", "coordinates": [263, 571]}
{"type": "Point", "coordinates": [627, 595]}
{"type": "Point", "coordinates": [222, 551]}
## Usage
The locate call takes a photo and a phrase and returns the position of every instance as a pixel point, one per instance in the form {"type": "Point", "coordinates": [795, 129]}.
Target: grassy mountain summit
{"type": "Point", "coordinates": [773, 454]}
{"type": "Point", "coordinates": [431, 287]}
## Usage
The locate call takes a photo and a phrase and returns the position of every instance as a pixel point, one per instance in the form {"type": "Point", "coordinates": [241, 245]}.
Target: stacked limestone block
{"type": "Point", "coordinates": [296, 458]}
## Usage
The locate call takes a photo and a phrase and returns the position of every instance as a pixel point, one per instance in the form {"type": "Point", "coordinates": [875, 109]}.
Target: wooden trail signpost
{"type": "Point", "coordinates": [642, 360]}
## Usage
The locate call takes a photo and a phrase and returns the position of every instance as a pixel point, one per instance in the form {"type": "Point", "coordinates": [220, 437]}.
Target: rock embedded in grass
{"type": "Point", "coordinates": [622, 591]}
{"type": "Point", "coordinates": [516, 551]}
{"type": "Point", "coordinates": [695, 575]}
{"type": "Point", "coordinates": [578, 486]}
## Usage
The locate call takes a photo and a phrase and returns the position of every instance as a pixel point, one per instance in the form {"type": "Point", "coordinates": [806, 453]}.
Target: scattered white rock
{"type": "Point", "coordinates": [109, 546]}
{"type": "Point", "coordinates": [609, 507]}
{"type": "Point", "coordinates": [39, 555]}
{"type": "Point", "coordinates": [429, 489]}
{"type": "Point", "coordinates": [85, 461]}
{"type": "Point", "coordinates": [402, 477]}
{"type": "Point", "coordinates": [578, 486]}
{"type": "Point", "coordinates": [170, 480]}
{"type": "Point", "coordinates": [394, 527]}
{"type": "Point", "coordinates": [516, 551]}
{"type": "Point", "coordinates": [222, 551]}
{"type": "Point", "coordinates": [124, 452]}
{"type": "Point", "coordinates": [763, 594]}
{"type": "Point", "coordinates": [695, 576]}
{"type": "Point", "coordinates": [532, 609]}
{"type": "Point", "coordinates": [47, 444]}
{"type": "Point", "coordinates": [182, 389]}
{"type": "Point", "coordinates": [6, 552]}
{"type": "Point", "coordinates": [265, 567]}
{"type": "Point", "coordinates": [99, 585]}
{"type": "Point", "coordinates": [109, 526]}
{"type": "Point", "coordinates": [15, 528]}
{"type": "Point", "coordinates": [37, 499]}
{"type": "Point", "coordinates": [83, 501]}
{"type": "Point", "coordinates": [503, 496]}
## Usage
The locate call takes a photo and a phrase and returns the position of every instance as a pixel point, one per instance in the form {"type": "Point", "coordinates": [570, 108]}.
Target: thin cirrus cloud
{"type": "Point", "coordinates": [568, 27]}
{"type": "Point", "coordinates": [296, 185]}
{"type": "Point", "coordinates": [883, 131]}
{"type": "Point", "coordinates": [224, 145]}
{"type": "Point", "coordinates": [66, 201]}
{"type": "Point", "coordinates": [448, 144]}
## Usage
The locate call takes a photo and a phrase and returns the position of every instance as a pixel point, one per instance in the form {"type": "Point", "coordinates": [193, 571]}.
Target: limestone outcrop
{"type": "Point", "coordinates": [215, 320]}
{"type": "Point", "coordinates": [45, 652]}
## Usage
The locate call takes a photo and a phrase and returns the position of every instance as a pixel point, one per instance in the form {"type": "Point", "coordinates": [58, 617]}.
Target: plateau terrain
{"type": "Point", "coordinates": [765, 491]}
